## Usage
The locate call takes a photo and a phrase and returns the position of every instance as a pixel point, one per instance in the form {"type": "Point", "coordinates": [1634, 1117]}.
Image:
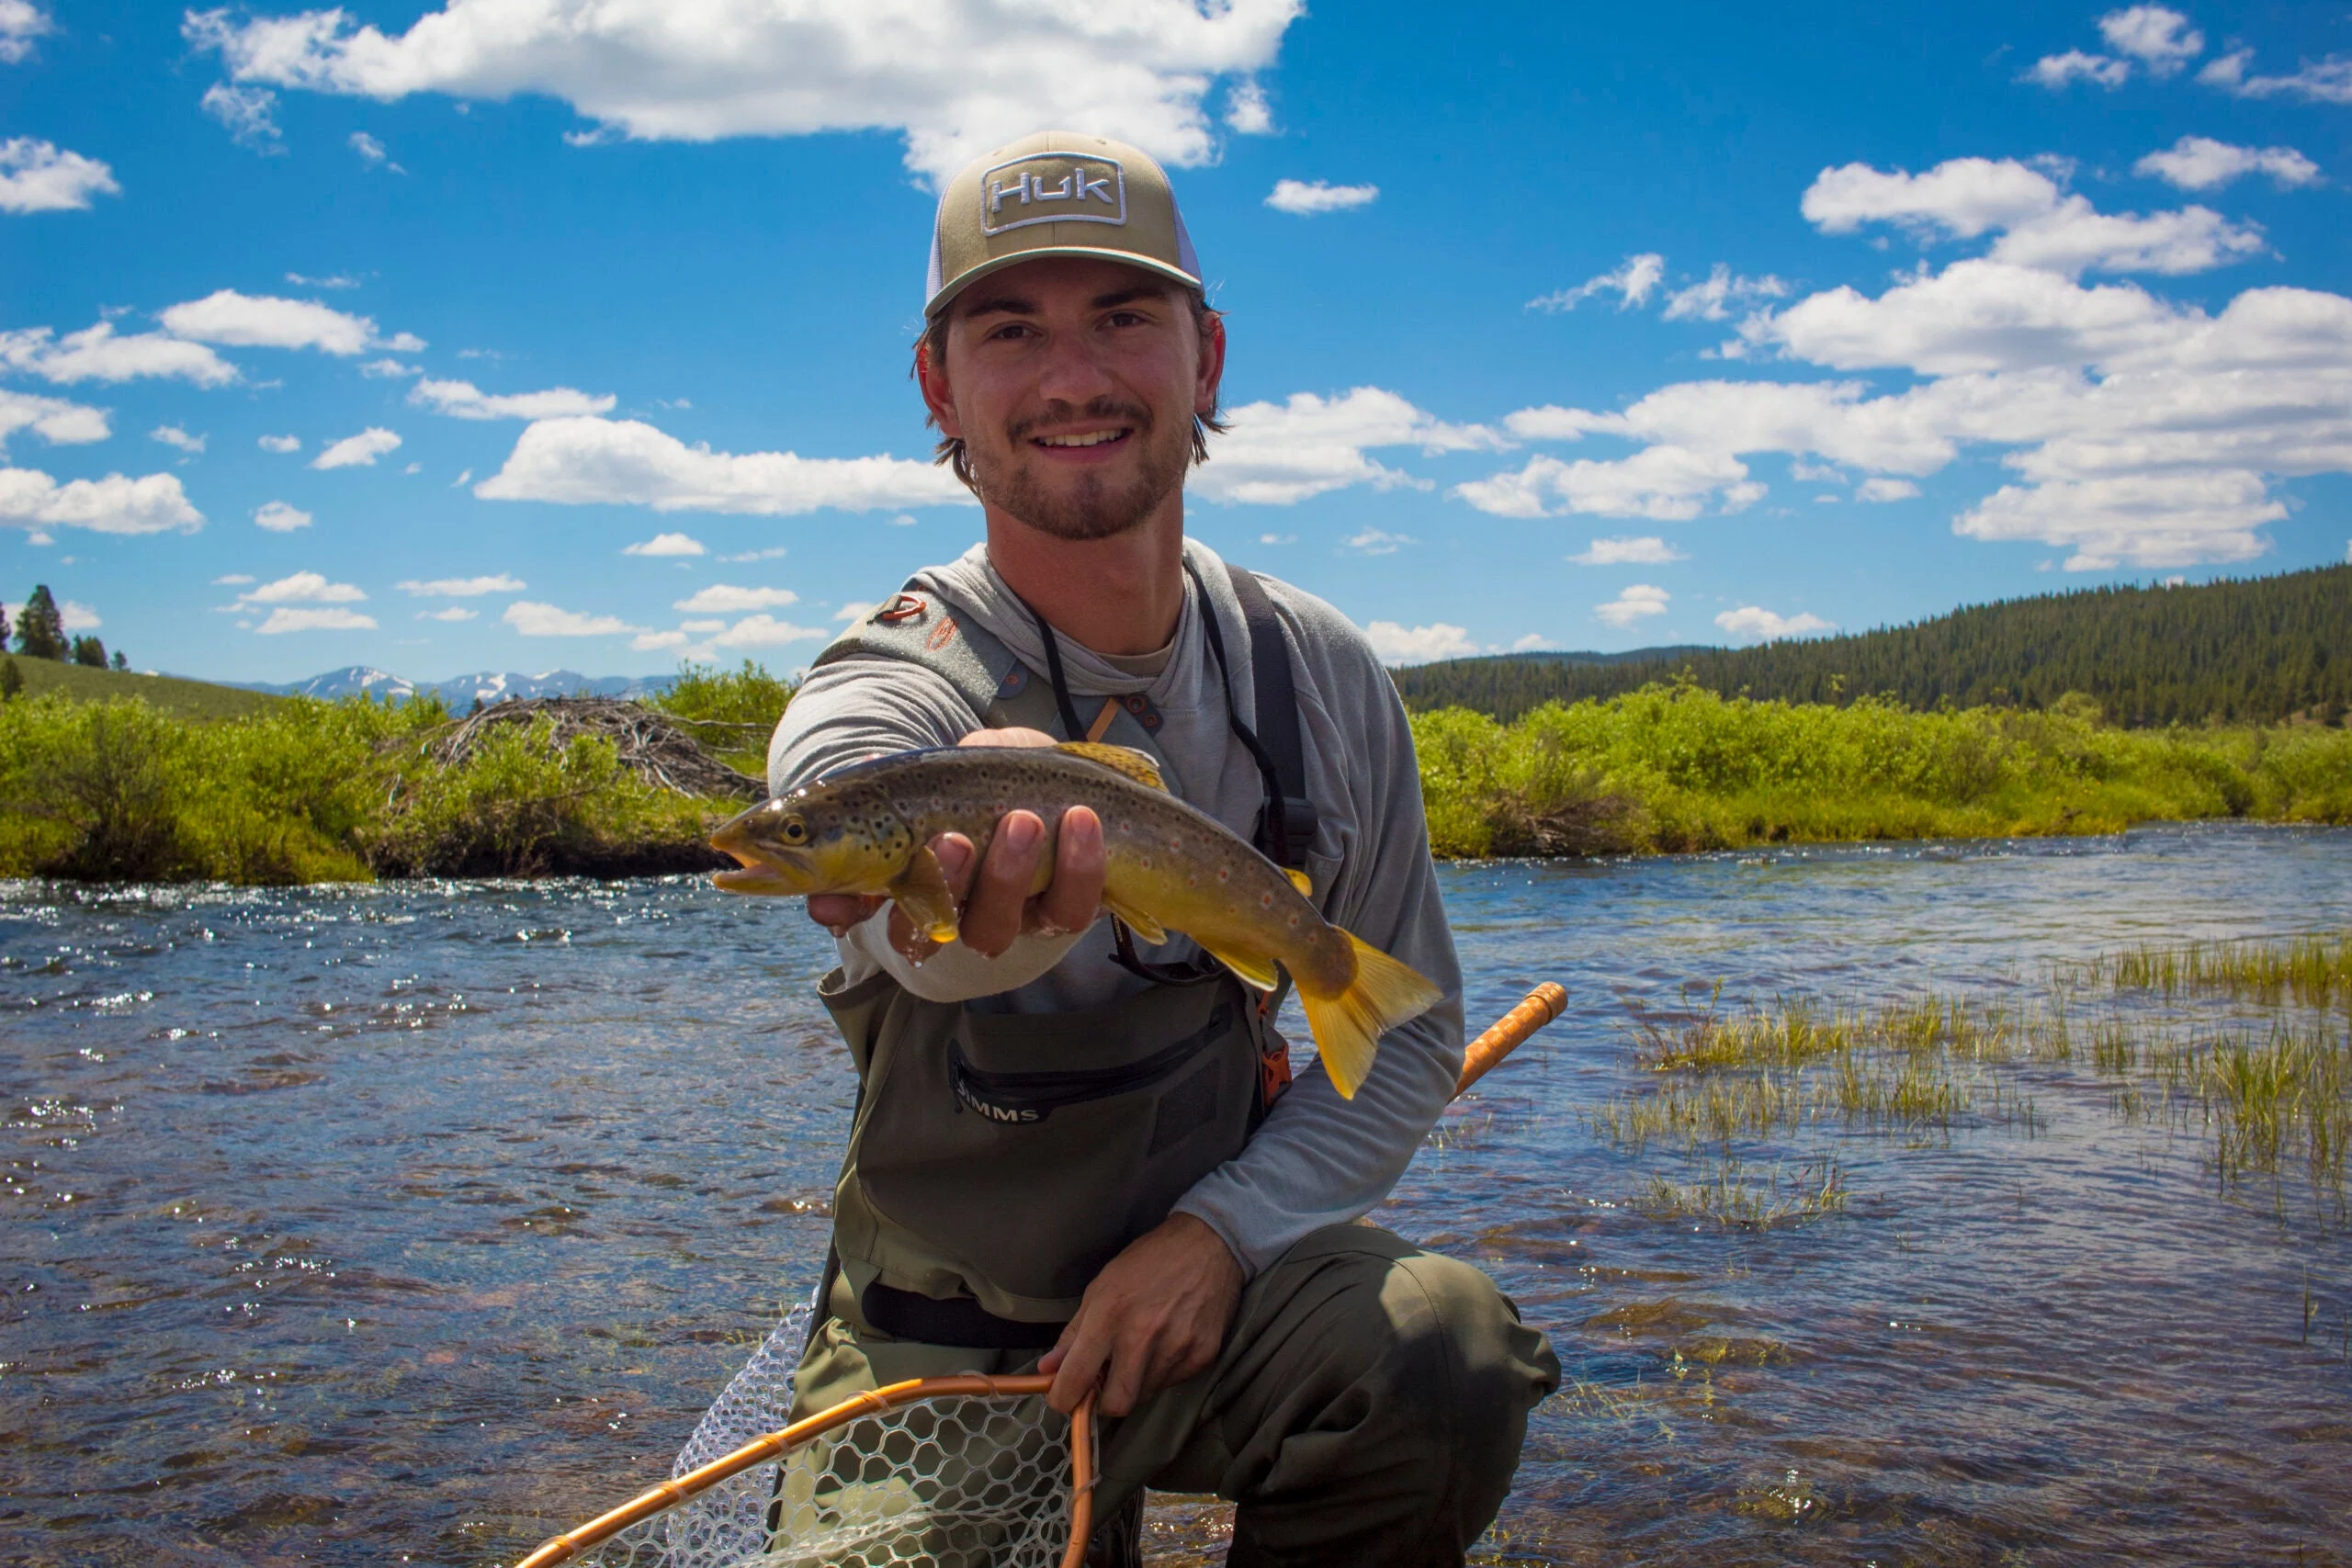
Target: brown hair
{"type": "Point", "coordinates": [950, 448]}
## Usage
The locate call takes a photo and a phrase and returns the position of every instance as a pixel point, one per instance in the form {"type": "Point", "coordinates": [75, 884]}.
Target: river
{"type": "Point", "coordinates": [410, 1222]}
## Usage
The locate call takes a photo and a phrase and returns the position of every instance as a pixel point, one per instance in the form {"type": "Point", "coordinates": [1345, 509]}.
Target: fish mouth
{"type": "Point", "coordinates": [761, 867]}
{"type": "Point", "coordinates": [753, 877]}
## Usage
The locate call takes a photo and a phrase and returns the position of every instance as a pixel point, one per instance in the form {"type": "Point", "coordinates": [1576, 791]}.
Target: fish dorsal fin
{"type": "Point", "coordinates": [1126, 760]}
{"type": "Point", "coordinates": [1301, 881]}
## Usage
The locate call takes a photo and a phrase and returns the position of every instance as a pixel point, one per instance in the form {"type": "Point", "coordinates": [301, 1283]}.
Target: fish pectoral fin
{"type": "Point", "coordinates": [1149, 931]}
{"type": "Point", "coordinates": [1255, 969]}
{"type": "Point", "coordinates": [922, 891]}
{"type": "Point", "coordinates": [1348, 1027]}
{"type": "Point", "coordinates": [1301, 881]}
{"type": "Point", "coordinates": [1126, 760]}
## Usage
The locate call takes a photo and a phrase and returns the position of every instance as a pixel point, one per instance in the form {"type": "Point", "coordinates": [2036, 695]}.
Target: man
{"type": "Point", "coordinates": [1064, 1146]}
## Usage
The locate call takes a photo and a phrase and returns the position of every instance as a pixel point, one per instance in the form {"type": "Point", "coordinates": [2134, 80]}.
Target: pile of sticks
{"type": "Point", "coordinates": [659, 749]}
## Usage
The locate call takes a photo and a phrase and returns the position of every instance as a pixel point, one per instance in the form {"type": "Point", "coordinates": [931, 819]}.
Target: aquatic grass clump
{"type": "Point", "coordinates": [2314, 969]}
{"type": "Point", "coordinates": [2292, 1093]}
{"type": "Point", "coordinates": [1726, 1195]}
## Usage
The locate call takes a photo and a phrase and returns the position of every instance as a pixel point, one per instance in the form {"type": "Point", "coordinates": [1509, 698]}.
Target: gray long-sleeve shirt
{"type": "Point", "coordinates": [1318, 1159]}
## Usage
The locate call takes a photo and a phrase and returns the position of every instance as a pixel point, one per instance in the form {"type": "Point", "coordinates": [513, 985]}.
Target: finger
{"type": "Point", "coordinates": [839, 911]}
{"type": "Point", "coordinates": [954, 853]}
{"type": "Point", "coordinates": [1071, 901]}
{"type": "Point", "coordinates": [1123, 1379]}
{"type": "Point", "coordinates": [1012, 736]}
{"type": "Point", "coordinates": [1079, 1366]}
{"type": "Point", "coordinates": [1000, 893]}
{"type": "Point", "coordinates": [910, 944]}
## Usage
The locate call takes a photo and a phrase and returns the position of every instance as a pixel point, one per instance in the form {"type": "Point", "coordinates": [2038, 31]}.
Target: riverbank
{"type": "Point", "coordinates": [303, 790]}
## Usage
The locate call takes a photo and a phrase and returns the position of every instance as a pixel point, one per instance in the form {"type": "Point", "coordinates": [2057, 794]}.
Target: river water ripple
{"type": "Point", "coordinates": [412, 1222]}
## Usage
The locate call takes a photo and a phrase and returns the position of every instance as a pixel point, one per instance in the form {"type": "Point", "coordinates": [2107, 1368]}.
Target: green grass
{"type": "Point", "coordinates": [198, 700]}
{"type": "Point", "coordinates": [1677, 769]}
{"type": "Point", "coordinates": [2311, 969]}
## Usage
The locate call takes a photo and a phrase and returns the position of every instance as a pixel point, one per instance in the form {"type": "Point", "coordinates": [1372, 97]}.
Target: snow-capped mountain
{"type": "Point", "coordinates": [461, 691]}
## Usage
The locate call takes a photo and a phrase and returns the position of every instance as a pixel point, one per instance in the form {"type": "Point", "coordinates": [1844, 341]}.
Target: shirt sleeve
{"type": "Point", "coordinates": [861, 708]}
{"type": "Point", "coordinates": [1318, 1159]}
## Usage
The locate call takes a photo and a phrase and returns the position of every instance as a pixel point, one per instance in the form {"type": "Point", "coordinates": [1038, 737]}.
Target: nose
{"type": "Point", "coordinates": [1074, 369]}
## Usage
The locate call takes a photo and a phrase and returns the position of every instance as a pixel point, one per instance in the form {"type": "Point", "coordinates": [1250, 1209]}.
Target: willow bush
{"type": "Point", "coordinates": [1680, 768]}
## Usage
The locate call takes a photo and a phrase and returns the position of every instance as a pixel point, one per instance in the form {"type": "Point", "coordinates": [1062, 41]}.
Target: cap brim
{"type": "Point", "coordinates": [946, 296]}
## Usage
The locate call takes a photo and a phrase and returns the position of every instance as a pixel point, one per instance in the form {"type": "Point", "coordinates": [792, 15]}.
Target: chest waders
{"type": "Point", "coordinates": [997, 1160]}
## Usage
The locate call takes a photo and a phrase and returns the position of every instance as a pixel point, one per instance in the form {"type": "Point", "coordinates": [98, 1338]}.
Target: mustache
{"type": "Point", "coordinates": [1099, 408]}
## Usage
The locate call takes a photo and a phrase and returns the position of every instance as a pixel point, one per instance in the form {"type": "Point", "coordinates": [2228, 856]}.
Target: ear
{"type": "Point", "coordinates": [1210, 374]}
{"type": "Point", "coordinates": [938, 397]}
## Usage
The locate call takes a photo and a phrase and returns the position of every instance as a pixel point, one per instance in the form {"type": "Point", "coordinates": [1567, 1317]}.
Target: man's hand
{"type": "Point", "coordinates": [996, 903]}
{"type": "Point", "coordinates": [1156, 1316]}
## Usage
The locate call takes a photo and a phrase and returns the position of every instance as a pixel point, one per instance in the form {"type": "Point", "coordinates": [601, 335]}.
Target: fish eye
{"type": "Point", "coordinates": [794, 831]}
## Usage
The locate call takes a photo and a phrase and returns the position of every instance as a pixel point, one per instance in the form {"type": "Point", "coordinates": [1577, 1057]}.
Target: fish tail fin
{"type": "Point", "coordinates": [1348, 1026]}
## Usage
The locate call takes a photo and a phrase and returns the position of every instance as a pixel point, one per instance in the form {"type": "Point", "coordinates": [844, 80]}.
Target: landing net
{"type": "Point", "coordinates": [965, 1472]}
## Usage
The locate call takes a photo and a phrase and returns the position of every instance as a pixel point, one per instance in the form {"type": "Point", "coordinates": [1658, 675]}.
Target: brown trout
{"type": "Point", "coordinates": [1169, 867]}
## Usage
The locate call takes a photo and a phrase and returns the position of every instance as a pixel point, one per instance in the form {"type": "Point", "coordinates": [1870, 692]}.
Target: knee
{"type": "Point", "coordinates": [1451, 1319]}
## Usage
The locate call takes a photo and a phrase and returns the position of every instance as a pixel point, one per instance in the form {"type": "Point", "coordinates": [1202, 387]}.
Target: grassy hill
{"type": "Point", "coordinates": [2259, 650]}
{"type": "Point", "coordinates": [198, 700]}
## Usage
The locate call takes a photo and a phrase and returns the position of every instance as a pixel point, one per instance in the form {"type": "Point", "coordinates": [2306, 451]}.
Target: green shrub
{"type": "Point", "coordinates": [731, 712]}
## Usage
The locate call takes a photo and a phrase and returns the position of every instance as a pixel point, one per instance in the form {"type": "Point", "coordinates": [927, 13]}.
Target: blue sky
{"type": "Point", "coordinates": [384, 336]}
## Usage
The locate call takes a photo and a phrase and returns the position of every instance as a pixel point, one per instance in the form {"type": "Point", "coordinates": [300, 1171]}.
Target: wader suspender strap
{"type": "Point", "coordinates": [1287, 822]}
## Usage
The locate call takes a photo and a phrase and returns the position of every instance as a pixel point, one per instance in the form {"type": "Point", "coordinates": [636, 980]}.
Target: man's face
{"type": "Point", "coordinates": [1073, 384]}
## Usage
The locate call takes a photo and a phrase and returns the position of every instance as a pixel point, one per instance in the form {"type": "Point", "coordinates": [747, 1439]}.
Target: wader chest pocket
{"type": "Point", "coordinates": [1020, 1099]}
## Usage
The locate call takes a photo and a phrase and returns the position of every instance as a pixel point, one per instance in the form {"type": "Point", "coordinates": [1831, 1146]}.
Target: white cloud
{"type": "Point", "coordinates": [2199, 163]}
{"type": "Point", "coordinates": [1885, 489]}
{"type": "Point", "coordinates": [762, 631]}
{"type": "Point", "coordinates": [545, 620]}
{"type": "Point", "coordinates": [280, 444]}
{"type": "Point", "coordinates": [359, 451]}
{"type": "Point", "coordinates": [2327, 81]}
{"type": "Point", "coordinates": [22, 21]}
{"type": "Point", "coordinates": [647, 642]}
{"type": "Point", "coordinates": [280, 518]}
{"type": "Point", "coordinates": [1304, 199]}
{"type": "Point", "coordinates": [388, 369]}
{"type": "Point", "coordinates": [269, 321]}
{"type": "Point", "coordinates": [625, 462]}
{"type": "Point", "coordinates": [2039, 225]}
{"type": "Point", "coordinates": [333, 280]}
{"type": "Point", "coordinates": [1376, 542]}
{"type": "Point", "coordinates": [1644, 551]}
{"type": "Point", "coordinates": [2058, 71]}
{"type": "Point", "coordinates": [725, 599]}
{"type": "Point", "coordinates": [250, 113]}
{"type": "Point", "coordinates": [451, 613]}
{"type": "Point", "coordinates": [703, 625]}
{"type": "Point", "coordinates": [1395, 643]}
{"type": "Point", "coordinates": [370, 151]}
{"type": "Point", "coordinates": [173, 435]}
{"type": "Point", "coordinates": [2172, 519]}
{"type": "Point", "coordinates": [1276, 454]}
{"type": "Point", "coordinates": [115, 504]}
{"type": "Point", "coordinates": [1530, 643]}
{"type": "Point", "coordinates": [1664, 483]}
{"type": "Point", "coordinates": [303, 588]}
{"type": "Point", "coordinates": [1278, 538]}
{"type": "Point", "coordinates": [1754, 624]}
{"type": "Point", "coordinates": [956, 77]}
{"type": "Point", "coordinates": [463, 587]}
{"type": "Point", "coordinates": [1636, 602]}
{"type": "Point", "coordinates": [665, 545]}
{"type": "Point", "coordinates": [55, 420]}
{"type": "Point", "coordinates": [1711, 299]}
{"type": "Point", "coordinates": [774, 552]}
{"type": "Point", "coordinates": [36, 176]}
{"type": "Point", "coordinates": [283, 620]}
{"type": "Point", "coordinates": [98, 354]}
{"type": "Point", "coordinates": [1632, 281]}
{"type": "Point", "coordinates": [1246, 112]}
{"type": "Point", "coordinates": [231, 580]}
{"type": "Point", "coordinates": [463, 400]}
{"type": "Point", "coordinates": [2159, 38]}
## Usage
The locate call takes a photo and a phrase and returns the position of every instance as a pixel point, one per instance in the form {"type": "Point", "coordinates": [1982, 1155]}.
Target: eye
{"type": "Point", "coordinates": [794, 831]}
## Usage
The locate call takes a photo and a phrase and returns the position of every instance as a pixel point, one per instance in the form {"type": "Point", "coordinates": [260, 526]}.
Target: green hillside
{"type": "Point", "coordinates": [2258, 650]}
{"type": "Point", "coordinates": [166, 694]}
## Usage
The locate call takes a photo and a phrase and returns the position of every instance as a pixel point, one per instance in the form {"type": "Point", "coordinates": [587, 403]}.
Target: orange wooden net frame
{"type": "Point", "coordinates": [1542, 1005]}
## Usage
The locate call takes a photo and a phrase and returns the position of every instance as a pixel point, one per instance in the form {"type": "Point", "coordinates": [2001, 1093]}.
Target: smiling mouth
{"type": "Point", "coordinates": [1089, 438]}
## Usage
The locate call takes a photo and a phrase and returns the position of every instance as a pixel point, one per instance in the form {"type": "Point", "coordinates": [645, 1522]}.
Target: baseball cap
{"type": "Point", "coordinates": [1056, 194]}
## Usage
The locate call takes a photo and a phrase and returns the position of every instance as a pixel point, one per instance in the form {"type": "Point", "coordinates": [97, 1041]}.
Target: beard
{"type": "Point", "coordinates": [1091, 505]}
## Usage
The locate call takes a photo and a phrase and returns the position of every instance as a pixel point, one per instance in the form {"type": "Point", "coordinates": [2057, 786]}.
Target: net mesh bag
{"type": "Point", "coordinates": [961, 1481]}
